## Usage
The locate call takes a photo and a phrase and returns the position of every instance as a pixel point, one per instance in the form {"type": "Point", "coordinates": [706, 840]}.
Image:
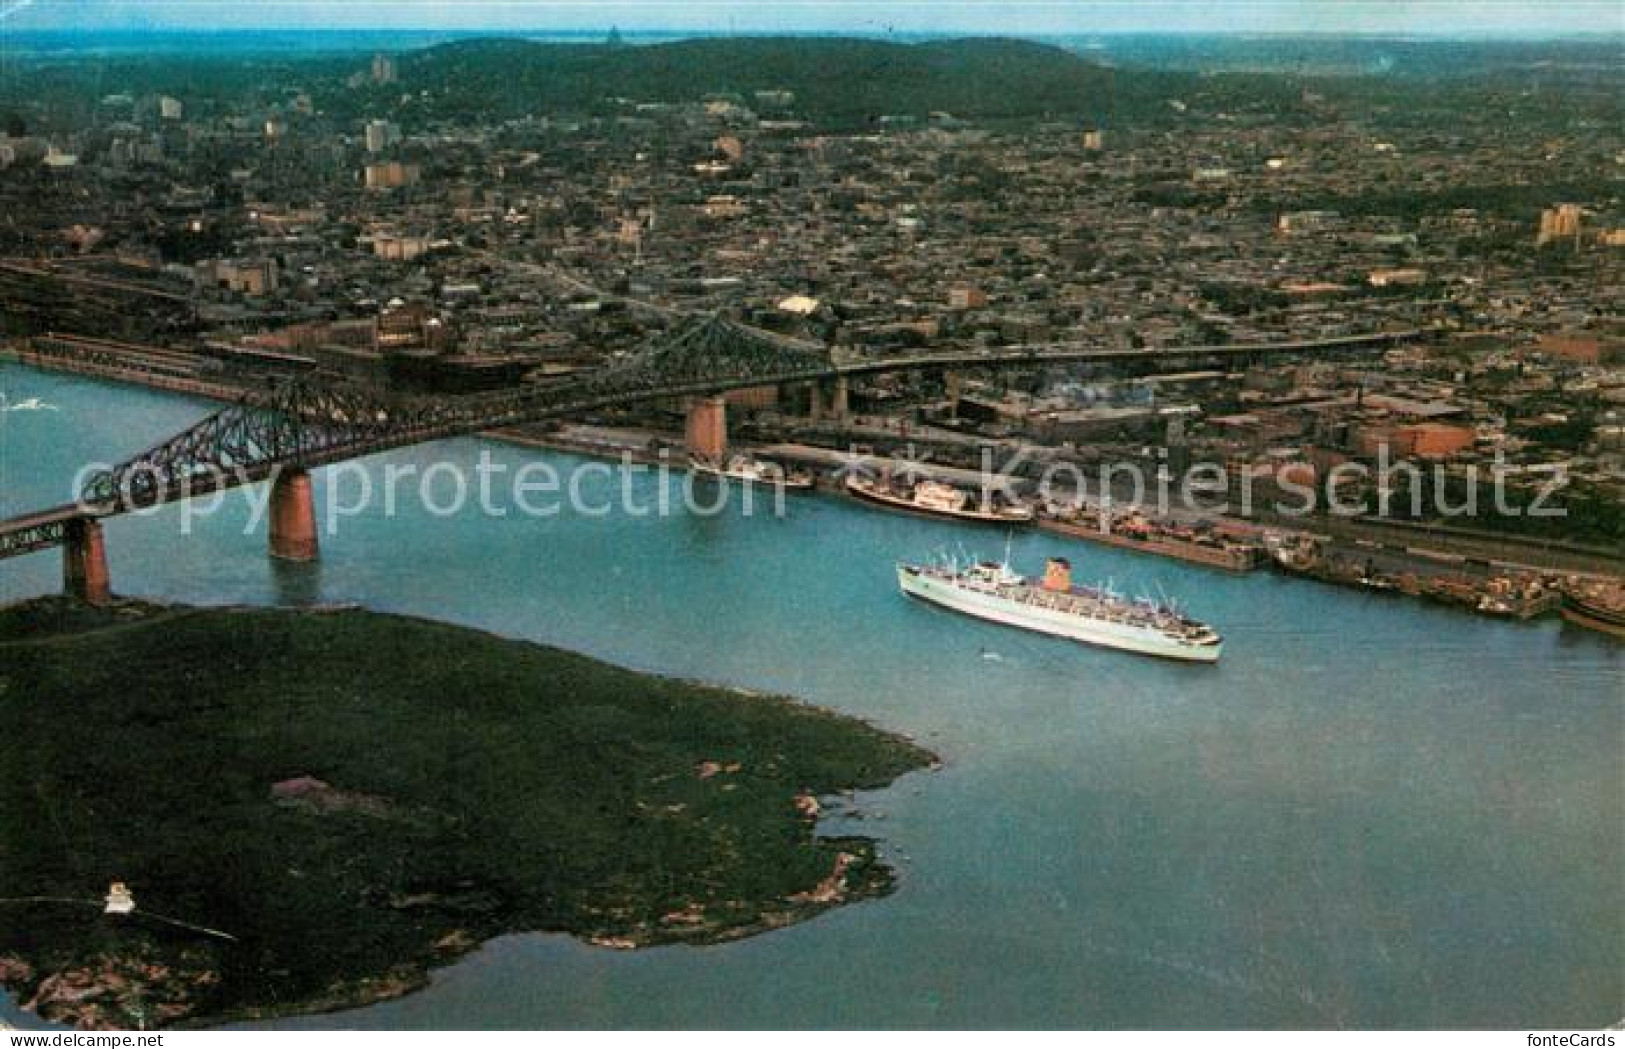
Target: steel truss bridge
{"type": "Point", "coordinates": [306, 425]}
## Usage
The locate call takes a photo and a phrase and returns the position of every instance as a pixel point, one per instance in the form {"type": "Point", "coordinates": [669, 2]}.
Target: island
{"type": "Point", "coordinates": [213, 815]}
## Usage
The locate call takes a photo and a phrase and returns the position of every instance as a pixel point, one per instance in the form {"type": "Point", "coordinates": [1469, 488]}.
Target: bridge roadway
{"type": "Point", "coordinates": [328, 429]}
{"type": "Point", "coordinates": [37, 531]}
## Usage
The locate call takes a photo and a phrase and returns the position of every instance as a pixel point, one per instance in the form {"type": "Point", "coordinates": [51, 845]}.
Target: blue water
{"type": "Point", "coordinates": [1371, 813]}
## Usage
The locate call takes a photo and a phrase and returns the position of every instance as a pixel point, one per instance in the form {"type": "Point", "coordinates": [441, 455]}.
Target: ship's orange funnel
{"type": "Point", "coordinates": [1058, 575]}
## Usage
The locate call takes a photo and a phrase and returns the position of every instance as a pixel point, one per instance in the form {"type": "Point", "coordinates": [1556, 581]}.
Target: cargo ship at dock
{"type": "Point", "coordinates": [1505, 594]}
{"type": "Point", "coordinates": [990, 590]}
{"type": "Point", "coordinates": [1199, 543]}
{"type": "Point", "coordinates": [750, 470]}
{"type": "Point", "coordinates": [936, 499]}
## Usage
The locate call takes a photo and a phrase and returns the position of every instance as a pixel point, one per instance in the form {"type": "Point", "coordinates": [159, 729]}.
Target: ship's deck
{"type": "Point", "coordinates": [1086, 602]}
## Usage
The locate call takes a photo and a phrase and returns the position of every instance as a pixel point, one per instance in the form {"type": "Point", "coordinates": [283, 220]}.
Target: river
{"type": "Point", "coordinates": [1370, 813]}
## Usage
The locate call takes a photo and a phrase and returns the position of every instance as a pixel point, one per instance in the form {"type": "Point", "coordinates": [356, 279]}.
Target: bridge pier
{"type": "Point", "coordinates": [706, 432]}
{"type": "Point", "coordinates": [815, 402]}
{"type": "Point", "coordinates": [839, 399]}
{"type": "Point", "coordinates": [84, 563]}
{"type": "Point", "coordinates": [293, 516]}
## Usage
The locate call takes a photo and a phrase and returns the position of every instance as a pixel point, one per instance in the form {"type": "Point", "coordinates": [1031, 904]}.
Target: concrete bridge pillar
{"type": "Point", "coordinates": [706, 433]}
{"type": "Point", "coordinates": [84, 563]}
{"type": "Point", "coordinates": [293, 516]}
{"type": "Point", "coordinates": [952, 383]}
{"type": "Point", "coordinates": [815, 402]}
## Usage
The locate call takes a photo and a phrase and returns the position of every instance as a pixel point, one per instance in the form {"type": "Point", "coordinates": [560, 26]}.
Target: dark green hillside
{"type": "Point", "coordinates": [844, 81]}
{"type": "Point", "coordinates": [354, 798]}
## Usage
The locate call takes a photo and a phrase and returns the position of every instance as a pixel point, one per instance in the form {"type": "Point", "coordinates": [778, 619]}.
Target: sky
{"type": "Point", "coordinates": [1523, 17]}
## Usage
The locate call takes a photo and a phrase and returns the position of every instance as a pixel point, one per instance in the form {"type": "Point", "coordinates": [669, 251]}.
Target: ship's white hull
{"type": "Point", "coordinates": [1123, 636]}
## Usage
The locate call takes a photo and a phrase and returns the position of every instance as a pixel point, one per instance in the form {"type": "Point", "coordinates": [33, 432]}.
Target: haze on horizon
{"type": "Point", "coordinates": [1022, 17]}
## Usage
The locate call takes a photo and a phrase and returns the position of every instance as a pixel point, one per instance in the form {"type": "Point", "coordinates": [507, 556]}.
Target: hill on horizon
{"type": "Point", "coordinates": [842, 80]}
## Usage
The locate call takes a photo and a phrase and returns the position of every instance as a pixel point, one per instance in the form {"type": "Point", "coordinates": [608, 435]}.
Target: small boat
{"type": "Point", "coordinates": [32, 404]}
{"type": "Point", "coordinates": [938, 500]}
{"type": "Point", "coordinates": [751, 470]}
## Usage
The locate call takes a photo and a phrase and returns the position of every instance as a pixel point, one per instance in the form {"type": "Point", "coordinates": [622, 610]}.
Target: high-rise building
{"type": "Point", "coordinates": [398, 248]}
{"type": "Point", "coordinates": [383, 69]}
{"type": "Point", "coordinates": [391, 175]}
{"type": "Point", "coordinates": [381, 134]}
{"type": "Point", "coordinates": [170, 108]}
{"type": "Point", "coordinates": [1559, 223]}
{"type": "Point", "coordinates": [246, 276]}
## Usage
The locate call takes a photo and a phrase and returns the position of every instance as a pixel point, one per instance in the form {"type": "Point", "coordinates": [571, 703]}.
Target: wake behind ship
{"type": "Point", "coordinates": [990, 590]}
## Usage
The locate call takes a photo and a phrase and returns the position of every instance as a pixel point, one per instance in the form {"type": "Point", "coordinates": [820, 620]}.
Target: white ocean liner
{"type": "Point", "coordinates": [990, 590]}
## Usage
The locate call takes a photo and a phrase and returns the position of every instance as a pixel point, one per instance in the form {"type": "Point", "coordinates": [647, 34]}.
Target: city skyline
{"type": "Point", "coordinates": [1032, 17]}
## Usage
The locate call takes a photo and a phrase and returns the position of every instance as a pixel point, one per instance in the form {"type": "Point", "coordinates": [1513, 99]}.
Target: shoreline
{"type": "Point", "coordinates": [1514, 553]}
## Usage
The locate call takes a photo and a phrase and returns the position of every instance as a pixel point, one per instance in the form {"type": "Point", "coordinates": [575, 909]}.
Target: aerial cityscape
{"type": "Point", "coordinates": [535, 516]}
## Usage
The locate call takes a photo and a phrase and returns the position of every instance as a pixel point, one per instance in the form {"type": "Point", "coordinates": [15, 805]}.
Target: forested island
{"type": "Point", "coordinates": [311, 809]}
